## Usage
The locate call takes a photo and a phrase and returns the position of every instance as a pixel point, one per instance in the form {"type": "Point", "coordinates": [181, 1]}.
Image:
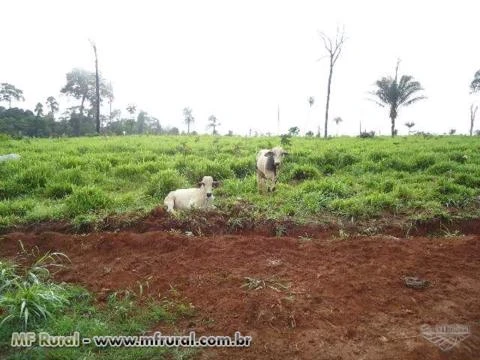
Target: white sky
{"type": "Point", "coordinates": [239, 60]}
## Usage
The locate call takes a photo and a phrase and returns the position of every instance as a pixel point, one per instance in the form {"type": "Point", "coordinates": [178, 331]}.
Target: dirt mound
{"type": "Point", "coordinates": [242, 219]}
{"type": "Point", "coordinates": [308, 297]}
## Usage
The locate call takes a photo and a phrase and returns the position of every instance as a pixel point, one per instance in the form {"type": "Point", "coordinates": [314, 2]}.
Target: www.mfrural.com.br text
{"type": "Point", "coordinates": [44, 339]}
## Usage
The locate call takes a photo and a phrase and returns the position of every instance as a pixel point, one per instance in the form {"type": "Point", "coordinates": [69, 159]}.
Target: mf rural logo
{"type": "Point", "coordinates": [445, 336]}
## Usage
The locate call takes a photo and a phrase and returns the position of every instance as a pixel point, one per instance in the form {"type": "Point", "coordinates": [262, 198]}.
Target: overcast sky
{"type": "Point", "coordinates": [240, 60]}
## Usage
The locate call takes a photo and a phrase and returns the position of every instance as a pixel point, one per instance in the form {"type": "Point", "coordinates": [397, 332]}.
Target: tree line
{"type": "Point", "coordinates": [91, 90]}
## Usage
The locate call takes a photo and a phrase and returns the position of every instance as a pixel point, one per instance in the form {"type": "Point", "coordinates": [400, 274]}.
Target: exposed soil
{"type": "Point", "coordinates": [329, 297]}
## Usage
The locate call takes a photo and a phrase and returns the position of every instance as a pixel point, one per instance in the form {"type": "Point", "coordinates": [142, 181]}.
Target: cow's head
{"type": "Point", "coordinates": [208, 184]}
{"type": "Point", "coordinates": [277, 153]}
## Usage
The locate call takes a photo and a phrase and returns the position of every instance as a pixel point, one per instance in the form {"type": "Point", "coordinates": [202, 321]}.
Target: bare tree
{"type": "Point", "coordinates": [97, 88]}
{"type": "Point", "coordinates": [334, 49]}
{"type": "Point", "coordinates": [213, 123]}
{"type": "Point", "coordinates": [473, 114]}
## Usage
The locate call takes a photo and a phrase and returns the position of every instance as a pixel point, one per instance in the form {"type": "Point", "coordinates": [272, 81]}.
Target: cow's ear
{"type": "Point", "coordinates": [269, 153]}
{"type": "Point", "coordinates": [286, 153]}
{"type": "Point", "coordinates": [216, 183]}
{"type": "Point", "coordinates": [200, 184]}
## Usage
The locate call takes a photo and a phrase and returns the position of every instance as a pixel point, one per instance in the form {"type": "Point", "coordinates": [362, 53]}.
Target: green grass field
{"type": "Point", "coordinates": [85, 179]}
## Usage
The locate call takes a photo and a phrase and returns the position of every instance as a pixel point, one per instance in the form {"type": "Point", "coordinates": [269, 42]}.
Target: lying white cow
{"type": "Point", "coordinates": [200, 197]}
{"type": "Point", "coordinates": [268, 165]}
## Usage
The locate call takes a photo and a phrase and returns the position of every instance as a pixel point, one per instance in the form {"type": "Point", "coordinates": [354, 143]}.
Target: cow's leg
{"type": "Point", "coordinates": [170, 204]}
{"type": "Point", "coordinates": [260, 183]}
{"type": "Point", "coordinates": [270, 184]}
{"type": "Point", "coordinates": [274, 184]}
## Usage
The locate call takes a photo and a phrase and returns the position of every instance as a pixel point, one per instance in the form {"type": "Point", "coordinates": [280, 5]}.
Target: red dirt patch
{"type": "Point", "coordinates": [345, 300]}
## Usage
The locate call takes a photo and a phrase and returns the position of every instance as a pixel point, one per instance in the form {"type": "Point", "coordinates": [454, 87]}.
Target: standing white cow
{"type": "Point", "coordinates": [200, 197]}
{"type": "Point", "coordinates": [268, 165]}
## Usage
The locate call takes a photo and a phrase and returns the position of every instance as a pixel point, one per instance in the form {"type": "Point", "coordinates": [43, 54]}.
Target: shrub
{"type": "Point", "coordinates": [16, 207]}
{"type": "Point", "coordinates": [468, 180]}
{"type": "Point", "coordinates": [247, 185]}
{"type": "Point", "coordinates": [367, 134]}
{"type": "Point", "coordinates": [164, 182]}
{"type": "Point", "coordinates": [33, 178]}
{"type": "Point", "coordinates": [87, 199]}
{"type": "Point", "coordinates": [329, 187]}
{"type": "Point", "coordinates": [378, 155]}
{"type": "Point", "coordinates": [337, 159]}
{"type": "Point", "coordinates": [11, 189]}
{"type": "Point", "coordinates": [423, 162]}
{"type": "Point", "coordinates": [58, 190]}
{"type": "Point", "coordinates": [364, 206]}
{"type": "Point", "coordinates": [28, 303]}
{"type": "Point", "coordinates": [452, 194]}
{"type": "Point", "coordinates": [129, 171]}
{"type": "Point", "coordinates": [242, 167]}
{"type": "Point", "coordinates": [73, 176]}
{"type": "Point", "coordinates": [303, 172]}
{"type": "Point", "coordinates": [458, 157]}
{"type": "Point", "coordinates": [387, 185]}
{"type": "Point", "coordinates": [219, 170]}
{"type": "Point", "coordinates": [443, 167]}
{"type": "Point", "coordinates": [71, 162]}
{"type": "Point", "coordinates": [194, 169]}
{"type": "Point", "coordinates": [152, 167]}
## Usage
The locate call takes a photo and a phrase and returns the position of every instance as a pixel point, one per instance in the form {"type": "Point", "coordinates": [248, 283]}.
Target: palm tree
{"type": "Point", "coordinates": [189, 119]}
{"type": "Point", "coordinates": [394, 93]}
{"type": "Point", "coordinates": [53, 105]}
{"type": "Point", "coordinates": [311, 101]}
{"type": "Point", "coordinates": [409, 125]}
{"type": "Point", "coordinates": [213, 123]}
{"type": "Point", "coordinates": [475, 84]}
{"type": "Point", "coordinates": [132, 108]}
{"type": "Point", "coordinates": [337, 121]}
{"type": "Point", "coordinates": [39, 109]}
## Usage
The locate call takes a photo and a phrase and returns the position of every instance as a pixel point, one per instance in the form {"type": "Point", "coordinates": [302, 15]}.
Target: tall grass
{"type": "Point", "coordinates": [89, 178]}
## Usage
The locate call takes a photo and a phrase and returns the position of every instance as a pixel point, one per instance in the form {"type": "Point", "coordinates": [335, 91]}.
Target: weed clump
{"type": "Point", "coordinates": [164, 182]}
{"type": "Point", "coordinates": [86, 200]}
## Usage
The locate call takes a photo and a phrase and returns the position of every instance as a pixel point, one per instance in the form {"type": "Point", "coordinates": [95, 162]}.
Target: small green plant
{"type": "Point", "coordinates": [447, 233]}
{"type": "Point", "coordinates": [305, 238]}
{"type": "Point", "coordinates": [28, 303]}
{"type": "Point", "coordinates": [27, 294]}
{"type": "Point", "coordinates": [280, 230]}
{"type": "Point", "coordinates": [8, 275]}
